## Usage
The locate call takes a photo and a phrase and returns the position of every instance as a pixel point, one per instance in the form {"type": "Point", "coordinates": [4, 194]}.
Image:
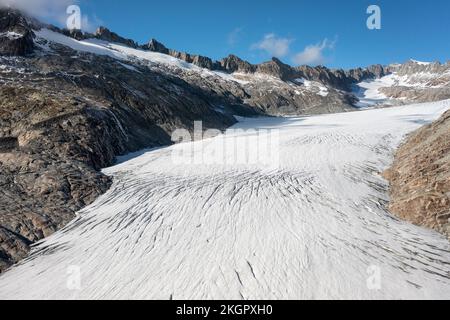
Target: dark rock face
{"type": "Point", "coordinates": [276, 68]}
{"type": "Point", "coordinates": [13, 248]}
{"type": "Point", "coordinates": [377, 70]}
{"type": "Point", "coordinates": [74, 33]}
{"type": "Point", "coordinates": [339, 79]}
{"type": "Point", "coordinates": [16, 36]}
{"type": "Point", "coordinates": [8, 144]}
{"type": "Point", "coordinates": [203, 62]}
{"type": "Point", "coordinates": [360, 74]}
{"type": "Point", "coordinates": [200, 61]}
{"type": "Point", "coordinates": [105, 34]}
{"type": "Point", "coordinates": [155, 46]}
{"type": "Point", "coordinates": [233, 63]}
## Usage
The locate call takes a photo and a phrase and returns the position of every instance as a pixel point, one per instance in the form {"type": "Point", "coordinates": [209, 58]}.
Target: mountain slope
{"type": "Point", "coordinates": [66, 114]}
{"type": "Point", "coordinates": [412, 81]}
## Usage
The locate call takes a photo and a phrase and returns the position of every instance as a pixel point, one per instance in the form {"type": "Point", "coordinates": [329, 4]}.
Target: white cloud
{"type": "Point", "coordinates": [314, 54]}
{"type": "Point", "coordinates": [41, 8]}
{"type": "Point", "coordinates": [53, 10]}
{"type": "Point", "coordinates": [90, 23]}
{"type": "Point", "coordinates": [275, 46]}
{"type": "Point", "coordinates": [233, 36]}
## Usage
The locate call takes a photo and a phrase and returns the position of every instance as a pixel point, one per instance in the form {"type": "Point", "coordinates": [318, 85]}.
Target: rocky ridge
{"type": "Point", "coordinates": [420, 177]}
{"type": "Point", "coordinates": [337, 78]}
{"type": "Point", "coordinates": [16, 37]}
{"type": "Point", "coordinates": [419, 82]}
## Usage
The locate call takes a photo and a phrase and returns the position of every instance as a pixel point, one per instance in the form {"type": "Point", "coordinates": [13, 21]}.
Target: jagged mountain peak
{"type": "Point", "coordinates": [104, 33]}
{"type": "Point", "coordinates": [156, 46]}
{"type": "Point", "coordinates": [16, 34]}
{"type": "Point", "coordinates": [276, 68]}
{"type": "Point", "coordinates": [413, 67]}
{"type": "Point", "coordinates": [233, 63]}
{"type": "Point", "coordinates": [230, 64]}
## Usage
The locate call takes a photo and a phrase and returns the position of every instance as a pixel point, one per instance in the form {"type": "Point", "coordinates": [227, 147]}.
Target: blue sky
{"type": "Point", "coordinates": [332, 32]}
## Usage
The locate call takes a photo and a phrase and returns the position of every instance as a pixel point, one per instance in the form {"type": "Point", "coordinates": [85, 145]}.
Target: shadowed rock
{"type": "Point", "coordinates": [105, 34]}
{"type": "Point", "coordinates": [16, 36]}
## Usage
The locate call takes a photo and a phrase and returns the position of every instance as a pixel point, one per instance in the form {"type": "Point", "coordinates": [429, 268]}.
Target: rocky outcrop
{"type": "Point", "coordinates": [265, 92]}
{"type": "Point", "coordinates": [413, 67]}
{"type": "Point", "coordinates": [105, 34]}
{"type": "Point", "coordinates": [276, 68]}
{"type": "Point", "coordinates": [74, 33]}
{"type": "Point", "coordinates": [420, 177]}
{"type": "Point", "coordinates": [155, 46]}
{"type": "Point", "coordinates": [339, 79]}
{"type": "Point", "coordinates": [47, 171]}
{"type": "Point", "coordinates": [419, 82]}
{"type": "Point", "coordinates": [374, 71]}
{"type": "Point", "coordinates": [8, 144]}
{"type": "Point", "coordinates": [200, 61]}
{"type": "Point", "coordinates": [233, 63]}
{"type": "Point", "coordinates": [16, 36]}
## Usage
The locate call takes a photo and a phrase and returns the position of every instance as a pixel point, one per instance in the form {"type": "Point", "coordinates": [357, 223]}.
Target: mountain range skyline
{"type": "Point", "coordinates": [297, 33]}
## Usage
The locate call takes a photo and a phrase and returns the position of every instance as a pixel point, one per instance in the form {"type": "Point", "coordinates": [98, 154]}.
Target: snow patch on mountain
{"type": "Point", "coordinates": [421, 62]}
{"type": "Point", "coordinates": [313, 86]}
{"type": "Point", "coordinates": [369, 94]}
{"type": "Point", "coordinates": [425, 76]}
{"type": "Point", "coordinates": [113, 50]}
{"type": "Point", "coordinates": [11, 35]}
{"type": "Point", "coordinates": [128, 54]}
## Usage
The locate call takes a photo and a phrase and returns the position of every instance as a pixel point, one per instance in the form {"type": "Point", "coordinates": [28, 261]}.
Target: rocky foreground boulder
{"type": "Point", "coordinates": [420, 177]}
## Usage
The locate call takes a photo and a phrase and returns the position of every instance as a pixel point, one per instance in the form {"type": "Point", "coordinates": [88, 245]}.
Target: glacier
{"type": "Point", "coordinates": [316, 226]}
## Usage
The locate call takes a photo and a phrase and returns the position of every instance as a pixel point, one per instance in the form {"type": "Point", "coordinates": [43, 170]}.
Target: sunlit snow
{"type": "Point", "coordinates": [124, 53]}
{"type": "Point", "coordinates": [314, 227]}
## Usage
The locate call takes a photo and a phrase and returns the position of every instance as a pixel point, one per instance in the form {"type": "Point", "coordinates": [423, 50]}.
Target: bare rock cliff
{"type": "Point", "coordinates": [420, 177]}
